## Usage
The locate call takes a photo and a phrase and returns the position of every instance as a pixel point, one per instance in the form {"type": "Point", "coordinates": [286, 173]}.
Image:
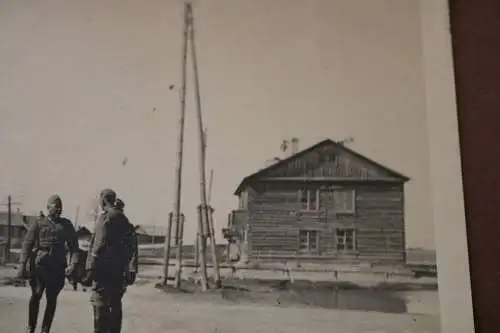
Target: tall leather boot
{"type": "Point", "coordinates": [101, 318]}
{"type": "Point", "coordinates": [115, 316]}
{"type": "Point", "coordinates": [48, 316]}
{"type": "Point", "coordinates": [33, 309]}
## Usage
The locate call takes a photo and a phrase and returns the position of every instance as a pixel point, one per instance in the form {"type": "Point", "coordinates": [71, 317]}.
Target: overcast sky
{"type": "Point", "coordinates": [79, 81]}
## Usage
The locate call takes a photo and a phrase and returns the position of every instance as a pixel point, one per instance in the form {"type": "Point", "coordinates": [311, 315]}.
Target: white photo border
{"type": "Point", "coordinates": [445, 169]}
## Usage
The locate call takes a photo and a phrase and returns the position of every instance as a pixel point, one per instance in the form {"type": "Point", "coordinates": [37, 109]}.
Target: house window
{"type": "Point", "coordinates": [308, 200]}
{"type": "Point", "coordinates": [346, 240]}
{"type": "Point", "coordinates": [243, 200]}
{"type": "Point", "coordinates": [308, 240]}
{"type": "Point", "coordinates": [344, 200]}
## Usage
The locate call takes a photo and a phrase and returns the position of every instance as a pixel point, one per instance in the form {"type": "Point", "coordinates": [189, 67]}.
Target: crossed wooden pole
{"type": "Point", "coordinates": [205, 213]}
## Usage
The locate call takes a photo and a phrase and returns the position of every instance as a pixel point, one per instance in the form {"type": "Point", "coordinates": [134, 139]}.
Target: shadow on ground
{"type": "Point", "coordinates": [384, 297]}
{"type": "Point", "coordinates": [299, 293]}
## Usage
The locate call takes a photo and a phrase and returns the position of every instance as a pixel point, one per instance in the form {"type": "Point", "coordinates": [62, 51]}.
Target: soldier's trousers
{"type": "Point", "coordinates": [51, 282]}
{"type": "Point", "coordinates": [107, 306]}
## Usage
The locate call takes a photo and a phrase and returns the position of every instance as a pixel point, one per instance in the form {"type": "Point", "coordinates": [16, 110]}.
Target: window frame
{"type": "Point", "coordinates": [243, 200]}
{"type": "Point", "coordinates": [345, 231]}
{"type": "Point", "coordinates": [353, 196]}
{"type": "Point", "coordinates": [309, 193]}
{"type": "Point", "coordinates": [315, 241]}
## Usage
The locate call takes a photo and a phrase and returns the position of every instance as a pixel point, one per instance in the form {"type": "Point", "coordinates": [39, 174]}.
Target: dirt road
{"type": "Point", "coordinates": [148, 310]}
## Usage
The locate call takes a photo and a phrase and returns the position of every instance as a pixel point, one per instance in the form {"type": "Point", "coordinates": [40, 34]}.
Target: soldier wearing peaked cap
{"type": "Point", "coordinates": [111, 263]}
{"type": "Point", "coordinates": [43, 261]}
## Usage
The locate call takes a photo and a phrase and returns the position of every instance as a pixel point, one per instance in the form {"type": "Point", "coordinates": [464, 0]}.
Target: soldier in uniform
{"type": "Point", "coordinates": [43, 261]}
{"type": "Point", "coordinates": [111, 264]}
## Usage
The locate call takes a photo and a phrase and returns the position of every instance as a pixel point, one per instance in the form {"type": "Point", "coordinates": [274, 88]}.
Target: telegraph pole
{"type": "Point", "coordinates": [179, 242]}
{"type": "Point", "coordinates": [94, 213]}
{"type": "Point", "coordinates": [177, 205]}
{"type": "Point", "coordinates": [203, 220]}
{"type": "Point", "coordinates": [77, 214]}
{"type": "Point", "coordinates": [211, 179]}
{"type": "Point", "coordinates": [205, 229]}
{"type": "Point", "coordinates": [9, 226]}
{"type": "Point", "coordinates": [178, 174]}
{"type": "Point", "coordinates": [166, 255]}
{"type": "Point", "coordinates": [213, 245]}
{"type": "Point", "coordinates": [197, 240]}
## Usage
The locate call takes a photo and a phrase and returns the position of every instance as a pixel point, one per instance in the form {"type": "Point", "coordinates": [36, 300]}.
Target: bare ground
{"type": "Point", "coordinates": [147, 309]}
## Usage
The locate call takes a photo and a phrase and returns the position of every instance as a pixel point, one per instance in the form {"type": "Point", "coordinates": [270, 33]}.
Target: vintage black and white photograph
{"type": "Point", "coordinates": [219, 166]}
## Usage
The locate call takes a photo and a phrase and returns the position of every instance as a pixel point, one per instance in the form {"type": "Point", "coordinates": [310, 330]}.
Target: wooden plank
{"type": "Point", "coordinates": [275, 220]}
{"type": "Point", "coordinates": [342, 179]}
{"type": "Point", "coordinates": [328, 161]}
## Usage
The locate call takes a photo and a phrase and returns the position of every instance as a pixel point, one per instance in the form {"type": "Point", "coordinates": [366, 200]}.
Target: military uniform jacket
{"type": "Point", "coordinates": [113, 248]}
{"type": "Point", "coordinates": [134, 260]}
{"type": "Point", "coordinates": [48, 242]}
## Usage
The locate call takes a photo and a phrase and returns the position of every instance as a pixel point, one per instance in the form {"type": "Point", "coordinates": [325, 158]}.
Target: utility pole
{"type": "Point", "coordinates": [9, 226]}
{"type": "Point", "coordinates": [177, 206]}
{"type": "Point", "coordinates": [203, 221]}
{"type": "Point", "coordinates": [197, 240]}
{"type": "Point", "coordinates": [166, 255]}
{"type": "Point", "coordinates": [178, 173]}
{"type": "Point", "coordinates": [77, 214]}
{"type": "Point", "coordinates": [211, 179]}
{"type": "Point", "coordinates": [94, 213]}
{"type": "Point", "coordinates": [213, 245]}
{"type": "Point", "coordinates": [179, 243]}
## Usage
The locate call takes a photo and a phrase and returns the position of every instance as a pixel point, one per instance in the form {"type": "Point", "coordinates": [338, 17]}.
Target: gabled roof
{"type": "Point", "coordinates": [301, 153]}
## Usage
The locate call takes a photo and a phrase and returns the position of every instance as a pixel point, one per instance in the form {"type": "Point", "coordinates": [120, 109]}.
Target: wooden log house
{"type": "Point", "coordinates": [326, 202]}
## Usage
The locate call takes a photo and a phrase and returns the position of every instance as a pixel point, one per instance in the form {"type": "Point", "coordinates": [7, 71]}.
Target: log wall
{"type": "Point", "coordinates": [275, 219]}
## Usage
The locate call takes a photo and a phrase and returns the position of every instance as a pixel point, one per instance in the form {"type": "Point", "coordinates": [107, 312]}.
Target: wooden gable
{"type": "Point", "coordinates": [326, 160]}
{"type": "Point", "coordinates": [329, 161]}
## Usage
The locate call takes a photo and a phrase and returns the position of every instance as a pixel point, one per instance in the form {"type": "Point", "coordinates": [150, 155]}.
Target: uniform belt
{"type": "Point", "coordinates": [45, 248]}
{"type": "Point", "coordinates": [49, 249]}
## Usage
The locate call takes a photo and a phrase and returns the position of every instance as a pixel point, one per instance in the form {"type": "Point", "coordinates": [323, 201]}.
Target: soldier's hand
{"type": "Point", "coordinates": [87, 279]}
{"type": "Point", "coordinates": [130, 278]}
{"type": "Point", "coordinates": [70, 271]}
{"type": "Point", "coordinates": [22, 272]}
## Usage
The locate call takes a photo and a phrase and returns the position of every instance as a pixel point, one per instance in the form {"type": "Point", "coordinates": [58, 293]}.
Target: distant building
{"type": "Point", "coordinates": [324, 203]}
{"type": "Point", "coordinates": [84, 233]}
{"type": "Point", "coordinates": [150, 234]}
{"type": "Point", "coordinates": [19, 226]}
{"type": "Point", "coordinates": [146, 234]}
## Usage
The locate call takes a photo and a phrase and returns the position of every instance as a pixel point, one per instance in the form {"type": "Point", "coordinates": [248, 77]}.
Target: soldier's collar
{"type": "Point", "coordinates": [52, 219]}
